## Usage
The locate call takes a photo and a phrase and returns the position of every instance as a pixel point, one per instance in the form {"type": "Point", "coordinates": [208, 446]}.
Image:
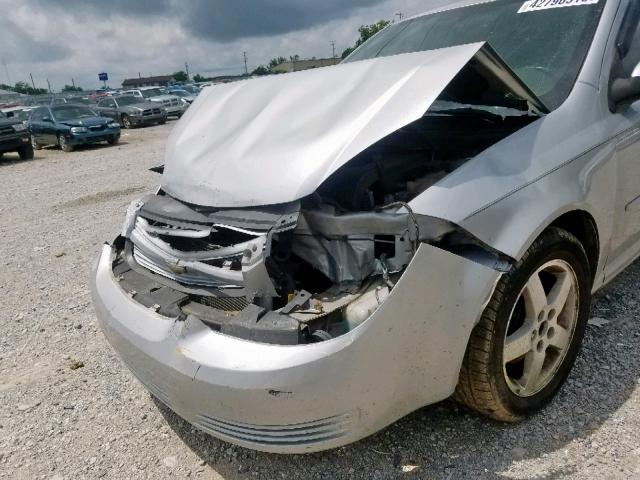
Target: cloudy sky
{"type": "Point", "coordinates": [65, 39]}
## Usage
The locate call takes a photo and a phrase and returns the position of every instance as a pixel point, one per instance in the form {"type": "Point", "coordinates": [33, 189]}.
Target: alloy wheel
{"type": "Point", "coordinates": [541, 327]}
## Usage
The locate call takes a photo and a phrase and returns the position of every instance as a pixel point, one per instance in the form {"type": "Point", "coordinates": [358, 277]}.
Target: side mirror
{"type": "Point", "coordinates": [625, 91]}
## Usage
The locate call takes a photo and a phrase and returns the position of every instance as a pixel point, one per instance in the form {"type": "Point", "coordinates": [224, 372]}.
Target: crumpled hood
{"type": "Point", "coordinates": [276, 139]}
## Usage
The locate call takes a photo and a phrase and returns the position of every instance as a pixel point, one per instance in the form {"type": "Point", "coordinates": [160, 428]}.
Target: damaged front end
{"type": "Point", "coordinates": [330, 248]}
{"type": "Point", "coordinates": [292, 274]}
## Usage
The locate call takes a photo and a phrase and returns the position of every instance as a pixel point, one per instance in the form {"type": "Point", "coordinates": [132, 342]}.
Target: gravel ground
{"type": "Point", "coordinates": [70, 410]}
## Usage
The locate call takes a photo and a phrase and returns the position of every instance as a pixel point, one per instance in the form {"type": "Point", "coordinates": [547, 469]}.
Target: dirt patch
{"type": "Point", "coordinates": [98, 198]}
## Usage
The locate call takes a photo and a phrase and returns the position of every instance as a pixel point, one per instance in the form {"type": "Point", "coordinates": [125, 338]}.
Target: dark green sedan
{"type": "Point", "coordinates": [69, 126]}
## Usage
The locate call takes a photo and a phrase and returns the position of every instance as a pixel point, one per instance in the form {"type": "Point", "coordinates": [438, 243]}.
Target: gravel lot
{"type": "Point", "coordinates": [70, 410]}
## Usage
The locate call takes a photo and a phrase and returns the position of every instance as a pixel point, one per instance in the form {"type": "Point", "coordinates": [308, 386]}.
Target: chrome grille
{"type": "Point", "coordinates": [277, 435]}
{"type": "Point", "coordinates": [7, 130]}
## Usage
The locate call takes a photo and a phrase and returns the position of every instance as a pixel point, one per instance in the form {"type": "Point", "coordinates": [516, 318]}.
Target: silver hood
{"type": "Point", "coordinates": [276, 139]}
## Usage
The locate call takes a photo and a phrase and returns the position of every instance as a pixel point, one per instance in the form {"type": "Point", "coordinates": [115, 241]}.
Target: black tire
{"type": "Point", "coordinates": [483, 385]}
{"type": "Point", "coordinates": [26, 152]}
{"type": "Point", "coordinates": [35, 144]}
{"type": "Point", "coordinates": [126, 122]}
{"type": "Point", "coordinates": [64, 145]}
{"type": "Point", "coordinates": [163, 121]}
{"type": "Point", "coordinates": [114, 140]}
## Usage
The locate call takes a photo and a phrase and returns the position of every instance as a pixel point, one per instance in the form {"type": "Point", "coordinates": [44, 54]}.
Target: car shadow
{"type": "Point", "coordinates": [11, 159]}
{"type": "Point", "coordinates": [449, 442]}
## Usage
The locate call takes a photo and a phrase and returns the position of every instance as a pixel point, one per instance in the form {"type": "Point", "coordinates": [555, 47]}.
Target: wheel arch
{"type": "Point", "coordinates": [582, 225]}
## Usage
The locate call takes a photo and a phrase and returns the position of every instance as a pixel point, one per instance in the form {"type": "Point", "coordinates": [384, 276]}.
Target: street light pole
{"type": "Point", "coordinates": [246, 67]}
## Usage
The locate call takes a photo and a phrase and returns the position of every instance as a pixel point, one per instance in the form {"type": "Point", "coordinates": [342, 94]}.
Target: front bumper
{"type": "Point", "coordinates": [176, 111]}
{"type": "Point", "coordinates": [298, 399]}
{"type": "Point", "coordinates": [10, 143]}
{"type": "Point", "coordinates": [93, 137]}
{"type": "Point", "coordinates": [148, 120]}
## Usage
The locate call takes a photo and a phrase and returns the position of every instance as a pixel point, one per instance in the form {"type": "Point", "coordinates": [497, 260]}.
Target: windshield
{"type": "Point", "coordinates": [64, 114]}
{"type": "Point", "coordinates": [124, 101]}
{"type": "Point", "coordinates": [546, 48]}
{"type": "Point", "coordinates": [152, 92]}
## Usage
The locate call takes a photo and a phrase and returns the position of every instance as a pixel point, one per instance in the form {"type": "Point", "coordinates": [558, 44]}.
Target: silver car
{"type": "Point", "coordinates": [429, 218]}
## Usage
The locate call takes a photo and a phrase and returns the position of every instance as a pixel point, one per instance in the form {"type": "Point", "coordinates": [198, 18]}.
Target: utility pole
{"type": "Point", "coordinates": [186, 69]}
{"type": "Point", "coordinates": [333, 47]}
{"type": "Point", "coordinates": [49, 85]}
{"type": "Point", "coordinates": [73, 82]}
{"type": "Point", "coordinates": [400, 15]}
{"type": "Point", "coordinates": [246, 67]}
{"type": "Point", "coordinates": [33, 84]}
{"type": "Point", "coordinates": [6, 70]}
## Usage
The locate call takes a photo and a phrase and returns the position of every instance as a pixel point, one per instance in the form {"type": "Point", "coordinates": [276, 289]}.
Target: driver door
{"type": "Point", "coordinates": [625, 243]}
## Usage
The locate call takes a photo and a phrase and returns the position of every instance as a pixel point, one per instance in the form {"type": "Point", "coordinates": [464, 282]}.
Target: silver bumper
{"type": "Point", "coordinates": [298, 399]}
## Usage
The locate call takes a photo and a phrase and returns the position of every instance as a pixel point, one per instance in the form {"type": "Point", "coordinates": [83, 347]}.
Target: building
{"type": "Point", "coordinates": [9, 97]}
{"type": "Point", "coordinates": [298, 65]}
{"type": "Point", "coordinates": [159, 81]}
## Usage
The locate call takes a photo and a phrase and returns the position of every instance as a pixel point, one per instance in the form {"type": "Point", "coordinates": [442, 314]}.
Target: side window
{"type": "Point", "coordinates": [632, 59]}
{"type": "Point", "coordinates": [629, 40]}
{"type": "Point", "coordinates": [38, 114]}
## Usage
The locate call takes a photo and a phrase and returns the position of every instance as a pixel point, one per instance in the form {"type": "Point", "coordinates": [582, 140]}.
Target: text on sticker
{"type": "Point", "coordinates": [535, 5]}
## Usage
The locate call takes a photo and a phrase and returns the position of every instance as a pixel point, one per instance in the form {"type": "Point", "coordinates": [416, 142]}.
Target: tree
{"type": "Point", "coordinates": [181, 76]}
{"type": "Point", "coordinates": [199, 78]}
{"type": "Point", "coordinates": [25, 88]}
{"type": "Point", "coordinates": [276, 61]}
{"type": "Point", "coordinates": [366, 32]}
{"type": "Point", "coordinates": [261, 70]}
{"type": "Point", "coordinates": [71, 88]}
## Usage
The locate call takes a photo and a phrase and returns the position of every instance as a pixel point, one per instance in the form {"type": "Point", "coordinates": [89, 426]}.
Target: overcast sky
{"type": "Point", "coordinates": [64, 39]}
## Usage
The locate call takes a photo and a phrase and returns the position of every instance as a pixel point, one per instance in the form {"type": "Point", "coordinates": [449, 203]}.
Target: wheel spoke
{"type": "Point", "coordinates": [560, 338]}
{"type": "Point", "coordinates": [518, 344]}
{"type": "Point", "coordinates": [560, 292]}
{"type": "Point", "coordinates": [533, 363]}
{"type": "Point", "coordinates": [535, 299]}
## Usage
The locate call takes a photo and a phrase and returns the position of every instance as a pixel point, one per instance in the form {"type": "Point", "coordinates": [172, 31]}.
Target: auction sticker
{"type": "Point", "coordinates": [535, 5]}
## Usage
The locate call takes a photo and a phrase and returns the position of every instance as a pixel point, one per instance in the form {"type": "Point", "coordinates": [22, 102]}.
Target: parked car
{"type": "Point", "coordinates": [132, 112]}
{"type": "Point", "coordinates": [186, 97]}
{"type": "Point", "coordinates": [174, 106]}
{"type": "Point", "coordinates": [14, 137]}
{"type": "Point", "coordinates": [349, 244]}
{"type": "Point", "coordinates": [19, 112]}
{"type": "Point", "coordinates": [69, 126]}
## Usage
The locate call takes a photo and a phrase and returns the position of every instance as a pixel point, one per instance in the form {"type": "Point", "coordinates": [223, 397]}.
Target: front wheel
{"type": "Point", "coordinates": [64, 144]}
{"type": "Point", "coordinates": [114, 140]}
{"type": "Point", "coordinates": [126, 122]}
{"type": "Point", "coordinates": [527, 340]}
{"type": "Point", "coordinates": [26, 152]}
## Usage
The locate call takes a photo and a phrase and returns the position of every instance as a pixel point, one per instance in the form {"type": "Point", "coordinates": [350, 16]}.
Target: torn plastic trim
{"type": "Point", "coordinates": [421, 229]}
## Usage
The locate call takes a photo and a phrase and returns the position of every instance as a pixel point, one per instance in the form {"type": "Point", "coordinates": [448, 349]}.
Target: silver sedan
{"type": "Point", "coordinates": [332, 249]}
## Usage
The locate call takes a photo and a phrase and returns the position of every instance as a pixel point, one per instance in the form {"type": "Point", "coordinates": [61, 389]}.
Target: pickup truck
{"type": "Point", "coordinates": [14, 137]}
